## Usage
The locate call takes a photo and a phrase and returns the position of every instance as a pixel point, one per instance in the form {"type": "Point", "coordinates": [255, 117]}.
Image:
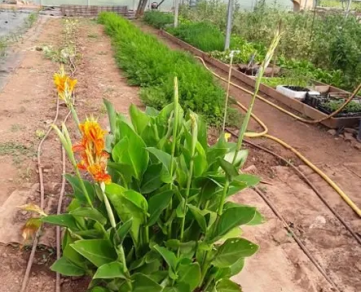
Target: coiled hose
{"type": "Point", "coordinates": [265, 134]}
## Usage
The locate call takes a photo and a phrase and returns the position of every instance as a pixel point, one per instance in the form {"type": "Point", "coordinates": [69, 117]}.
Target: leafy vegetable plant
{"type": "Point", "coordinates": [158, 19]}
{"type": "Point", "coordinates": [202, 35]}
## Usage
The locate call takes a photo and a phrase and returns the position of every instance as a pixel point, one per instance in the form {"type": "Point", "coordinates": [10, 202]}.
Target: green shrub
{"type": "Point", "coordinates": [202, 35]}
{"type": "Point", "coordinates": [151, 65]}
{"type": "Point", "coordinates": [158, 19]}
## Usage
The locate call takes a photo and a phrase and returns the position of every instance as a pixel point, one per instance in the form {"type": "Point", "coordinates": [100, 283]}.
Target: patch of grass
{"type": "Point", "coordinates": [33, 17]}
{"type": "Point", "coordinates": [12, 148]}
{"type": "Point", "coordinates": [158, 19]}
{"type": "Point", "coordinates": [202, 35]}
{"type": "Point", "coordinates": [153, 66]}
{"type": "Point", "coordinates": [17, 128]}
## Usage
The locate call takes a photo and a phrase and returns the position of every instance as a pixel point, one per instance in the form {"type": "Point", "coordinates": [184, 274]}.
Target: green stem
{"type": "Point", "coordinates": [75, 117]}
{"type": "Point", "coordinates": [174, 143]}
{"type": "Point", "coordinates": [227, 94]}
{"type": "Point", "coordinates": [190, 174]}
{"type": "Point", "coordinates": [82, 185]}
{"type": "Point", "coordinates": [208, 282]}
{"type": "Point", "coordinates": [263, 67]}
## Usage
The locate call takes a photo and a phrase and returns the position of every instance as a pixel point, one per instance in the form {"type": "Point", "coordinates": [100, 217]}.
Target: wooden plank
{"type": "Point", "coordinates": [295, 104]}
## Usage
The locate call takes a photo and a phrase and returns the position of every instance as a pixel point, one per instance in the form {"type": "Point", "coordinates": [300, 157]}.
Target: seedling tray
{"type": "Point", "coordinates": [303, 108]}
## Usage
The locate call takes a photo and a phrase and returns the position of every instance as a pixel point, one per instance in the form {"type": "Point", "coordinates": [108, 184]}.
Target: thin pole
{"type": "Point", "coordinates": [176, 9]}
{"type": "Point", "coordinates": [229, 25]}
{"type": "Point", "coordinates": [348, 7]}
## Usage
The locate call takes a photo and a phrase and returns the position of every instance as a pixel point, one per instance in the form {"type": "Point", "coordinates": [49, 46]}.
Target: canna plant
{"type": "Point", "coordinates": [155, 214]}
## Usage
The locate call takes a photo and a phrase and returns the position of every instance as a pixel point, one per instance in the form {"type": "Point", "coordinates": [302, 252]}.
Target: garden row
{"type": "Point", "coordinates": [209, 38]}
{"type": "Point", "coordinates": [152, 66]}
{"type": "Point", "coordinates": [296, 73]}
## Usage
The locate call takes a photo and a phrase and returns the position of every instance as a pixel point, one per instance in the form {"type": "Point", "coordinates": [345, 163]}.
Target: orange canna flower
{"type": "Point", "coordinates": [64, 84]}
{"type": "Point", "coordinates": [91, 149]}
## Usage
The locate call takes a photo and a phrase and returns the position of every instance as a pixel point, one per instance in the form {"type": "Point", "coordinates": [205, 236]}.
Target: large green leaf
{"type": "Point", "coordinates": [67, 268]}
{"type": "Point", "coordinates": [99, 289]}
{"type": "Point", "coordinates": [90, 213]}
{"type": "Point", "coordinates": [168, 256]}
{"type": "Point", "coordinates": [233, 249]}
{"type": "Point", "coordinates": [139, 119]}
{"type": "Point", "coordinates": [228, 168]}
{"type": "Point", "coordinates": [128, 205]}
{"type": "Point", "coordinates": [200, 161]}
{"type": "Point", "coordinates": [240, 159]}
{"type": "Point", "coordinates": [257, 219]}
{"type": "Point", "coordinates": [157, 204]}
{"type": "Point", "coordinates": [152, 179]}
{"type": "Point", "coordinates": [65, 220]}
{"type": "Point", "coordinates": [162, 156]}
{"type": "Point", "coordinates": [97, 251]}
{"type": "Point", "coordinates": [78, 191]}
{"type": "Point", "coordinates": [69, 253]}
{"type": "Point", "coordinates": [199, 217]}
{"type": "Point", "coordinates": [110, 271]}
{"type": "Point", "coordinates": [231, 218]}
{"type": "Point", "coordinates": [226, 285]}
{"type": "Point", "coordinates": [189, 274]}
{"type": "Point", "coordinates": [249, 179]}
{"type": "Point", "coordinates": [142, 283]}
{"type": "Point", "coordinates": [132, 152]}
{"type": "Point", "coordinates": [124, 229]}
{"type": "Point", "coordinates": [112, 115]}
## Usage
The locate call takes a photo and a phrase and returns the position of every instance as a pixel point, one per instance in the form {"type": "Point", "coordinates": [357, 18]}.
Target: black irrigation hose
{"type": "Point", "coordinates": [296, 238]}
{"type": "Point", "coordinates": [312, 186]}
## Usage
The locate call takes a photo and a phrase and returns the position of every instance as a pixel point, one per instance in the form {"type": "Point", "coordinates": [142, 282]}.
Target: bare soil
{"type": "Point", "coordinates": [28, 104]}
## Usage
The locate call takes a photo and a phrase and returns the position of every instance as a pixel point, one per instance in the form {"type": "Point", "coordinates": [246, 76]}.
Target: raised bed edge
{"type": "Point", "coordinates": [292, 103]}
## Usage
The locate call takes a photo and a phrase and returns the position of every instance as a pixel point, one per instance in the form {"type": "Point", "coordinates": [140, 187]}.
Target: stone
{"type": "Point", "coordinates": [319, 222]}
{"type": "Point", "coordinates": [251, 169]}
{"type": "Point", "coordinates": [348, 137]}
{"type": "Point", "coordinates": [351, 131]}
{"type": "Point", "coordinates": [357, 145]}
{"type": "Point", "coordinates": [333, 132]}
{"type": "Point", "coordinates": [281, 236]}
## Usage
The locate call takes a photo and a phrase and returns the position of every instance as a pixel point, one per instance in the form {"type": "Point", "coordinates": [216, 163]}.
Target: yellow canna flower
{"type": "Point", "coordinates": [227, 136]}
{"type": "Point", "coordinates": [64, 84]}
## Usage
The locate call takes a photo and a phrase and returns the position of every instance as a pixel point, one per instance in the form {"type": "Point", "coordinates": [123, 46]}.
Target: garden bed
{"type": "Point", "coordinates": [297, 105]}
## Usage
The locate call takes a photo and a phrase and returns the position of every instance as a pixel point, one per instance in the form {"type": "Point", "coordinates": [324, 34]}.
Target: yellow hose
{"type": "Point", "coordinates": [284, 144]}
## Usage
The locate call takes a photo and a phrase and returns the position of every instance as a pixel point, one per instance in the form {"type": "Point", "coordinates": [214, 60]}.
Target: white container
{"type": "Point", "coordinates": [294, 94]}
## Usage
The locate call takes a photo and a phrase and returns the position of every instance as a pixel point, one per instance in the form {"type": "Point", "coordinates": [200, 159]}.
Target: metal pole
{"type": "Point", "coordinates": [229, 25]}
{"type": "Point", "coordinates": [348, 7]}
{"type": "Point", "coordinates": [176, 9]}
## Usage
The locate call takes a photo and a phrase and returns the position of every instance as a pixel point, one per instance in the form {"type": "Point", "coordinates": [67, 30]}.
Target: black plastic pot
{"type": "Point", "coordinates": [341, 114]}
{"type": "Point", "coordinates": [297, 88]}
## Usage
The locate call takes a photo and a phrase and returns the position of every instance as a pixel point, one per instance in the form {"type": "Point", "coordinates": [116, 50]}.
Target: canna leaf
{"type": "Point", "coordinates": [97, 251]}
{"type": "Point", "coordinates": [232, 250]}
{"type": "Point", "coordinates": [64, 267]}
{"type": "Point", "coordinates": [110, 271]}
{"type": "Point", "coordinates": [157, 204]}
{"type": "Point", "coordinates": [90, 213]}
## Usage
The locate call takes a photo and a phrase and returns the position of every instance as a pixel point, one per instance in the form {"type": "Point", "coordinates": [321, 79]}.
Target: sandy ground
{"type": "Point", "coordinates": [28, 104]}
